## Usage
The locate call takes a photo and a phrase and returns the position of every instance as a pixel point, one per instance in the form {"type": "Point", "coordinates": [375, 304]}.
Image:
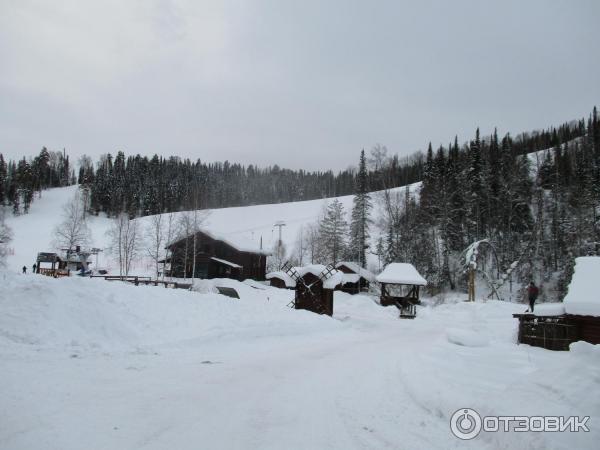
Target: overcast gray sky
{"type": "Point", "coordinates": [304, 84]}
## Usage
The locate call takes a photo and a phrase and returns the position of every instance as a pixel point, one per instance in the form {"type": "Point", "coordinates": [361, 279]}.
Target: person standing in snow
{"type": "Point", "coordinates": [532, 291]}
{"type": "Point", "coordinates": [34, 267]}
{"type": "Point", "coordinates": [24, 269]}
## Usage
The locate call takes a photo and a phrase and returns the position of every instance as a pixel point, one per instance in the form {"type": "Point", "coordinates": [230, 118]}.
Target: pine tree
{"type": "Point", "coordinates": [360, 217]}
{"type": "Point", "coordinates": [25, 180]}
{"type": "Point", "coordinates": [3, 181]}
{"type": "Point", "coordinates": [333, 230]}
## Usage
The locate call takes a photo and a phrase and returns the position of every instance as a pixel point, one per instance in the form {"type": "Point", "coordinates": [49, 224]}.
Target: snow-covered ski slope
{"type": "Point", "coordinates": [107, 365]}
{"type": "Point", "coordinates": [33, 232]}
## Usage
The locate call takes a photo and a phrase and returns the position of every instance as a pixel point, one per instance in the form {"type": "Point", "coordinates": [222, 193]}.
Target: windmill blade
{"type": "Point", "coordinates": [327, 272]}
{"type": "Point", "coordinates": [291, 271]}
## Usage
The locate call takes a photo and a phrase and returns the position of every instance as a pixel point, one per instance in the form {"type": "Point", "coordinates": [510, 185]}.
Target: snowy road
{"type": "Point", "coordinates": [97, 365]}
{"type": "Point", "coordinates": [339, 394]}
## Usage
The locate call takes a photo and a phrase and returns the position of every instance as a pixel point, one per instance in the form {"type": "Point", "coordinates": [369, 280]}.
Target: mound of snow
{"type": "Point", "coordinates": [204, 287]}
{"type": "Point", "coordinates": [97, 315]}
{"type": "Point", "coordinates": [466, 338]}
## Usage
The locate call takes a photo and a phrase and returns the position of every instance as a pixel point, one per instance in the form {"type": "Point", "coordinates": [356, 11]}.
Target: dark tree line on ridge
{"type": "Point", "coordinates": [140, 185]}
{"type": "Point", "coordinates": [20, 180]}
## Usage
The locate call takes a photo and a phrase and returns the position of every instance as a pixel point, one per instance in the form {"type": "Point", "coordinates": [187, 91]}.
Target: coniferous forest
{"type": "Point", "coordinates": [539, 209]}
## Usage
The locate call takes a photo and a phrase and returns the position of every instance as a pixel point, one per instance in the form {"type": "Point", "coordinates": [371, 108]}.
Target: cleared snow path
{"type": "Point", "coordinates": [98, 365]}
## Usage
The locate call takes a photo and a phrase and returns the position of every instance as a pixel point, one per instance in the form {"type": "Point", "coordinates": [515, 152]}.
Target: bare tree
{"type": "Point", "coordinates": [155, 239]}
{"type": "Point", "coordinates": [312, 242]}
{"type": "Point", "coordinates": [73, 230]}
{"type": "Point", "coordinates": [190, 223]}
{"type": "Point", "coordinates": [160, 231]}
{"type": "Point", "coordinates": [172, 230]}
{"type": "Point", "coordinates": [5, 238]}
{"type": "Point", "coordinates": [278, 256]}
{"type": "Point", "coordinates": [125, 240]}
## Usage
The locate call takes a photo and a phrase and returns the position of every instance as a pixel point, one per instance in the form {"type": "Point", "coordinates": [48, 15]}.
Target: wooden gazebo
{"type": "Point", "coordinates": [400, 286]}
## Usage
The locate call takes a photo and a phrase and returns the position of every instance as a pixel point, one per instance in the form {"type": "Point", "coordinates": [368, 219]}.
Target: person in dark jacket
{"type": "Point", "coordinates": [34, 267]}
{"type": "Point", "coordinates": [24, 269]}
{"type": "Point", "coordinates": [532, 291]}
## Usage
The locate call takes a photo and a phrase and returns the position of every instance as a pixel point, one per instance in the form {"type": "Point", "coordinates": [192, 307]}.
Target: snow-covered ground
{"type": "Point", "coordinates": [103, 365]}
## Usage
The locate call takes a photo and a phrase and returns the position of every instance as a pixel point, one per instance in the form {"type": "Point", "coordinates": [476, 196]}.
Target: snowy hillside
{"type": "Point", "coordinates": [33, 232]}
{"type": "Point", "coordinates": [93, 364]}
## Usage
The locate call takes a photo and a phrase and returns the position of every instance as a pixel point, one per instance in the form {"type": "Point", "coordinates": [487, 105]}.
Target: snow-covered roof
{"type": "Point", "coordinates": [350, 278]}
{"type": "Point", "coordinates": [583, 297]}
{"type": "Point", "coordinates": [236, 241]}
{"type": "Point", "coordinates": [355, 267]}
{"type": "Point", "coordinates": [316, 269]}
{"type": "Point", "coordinates": [401, 273]}
{"type": "Point", "coordinates": [549, 309]}
{"type": "Point", "coordinates": [227, 263]}
{"type": "Point", "coordinates": [289, 281]}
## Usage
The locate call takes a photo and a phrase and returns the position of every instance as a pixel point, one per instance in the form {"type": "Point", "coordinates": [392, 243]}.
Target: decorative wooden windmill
{"type": "Point", "coordinates": [314, 287]}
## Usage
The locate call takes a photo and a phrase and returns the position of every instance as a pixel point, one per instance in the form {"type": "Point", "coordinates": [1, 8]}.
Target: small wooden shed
{"type": "Point", "coordinates": [356, 279]}
{"type": "Point", "coordinates": [400, 286]}
{"type": "Point", "coordinates": [554, 326]}
{"type": "Point", "coordinates": [315, 286]}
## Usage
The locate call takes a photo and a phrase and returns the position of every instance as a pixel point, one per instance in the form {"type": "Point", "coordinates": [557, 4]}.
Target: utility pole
{"type": "Point", "coordinates": [280, 224]}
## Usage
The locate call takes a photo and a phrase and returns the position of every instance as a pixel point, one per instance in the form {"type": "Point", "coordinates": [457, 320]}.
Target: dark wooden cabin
{"type": "Point", "coordinates": [216, 257]}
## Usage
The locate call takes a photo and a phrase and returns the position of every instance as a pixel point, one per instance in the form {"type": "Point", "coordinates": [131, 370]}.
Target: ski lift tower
{"type": "Point", "coordinates": [280, 224]}
{"type": "Point", "coordinates": [95, 252]}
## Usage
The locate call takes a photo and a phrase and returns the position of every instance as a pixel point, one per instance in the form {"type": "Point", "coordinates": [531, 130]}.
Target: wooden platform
{"type": "Point", "coordinates": [557, 332]}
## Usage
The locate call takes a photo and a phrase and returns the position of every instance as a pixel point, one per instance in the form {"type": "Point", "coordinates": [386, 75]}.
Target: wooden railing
{"type": "Point", "coordinates": [137, 280]}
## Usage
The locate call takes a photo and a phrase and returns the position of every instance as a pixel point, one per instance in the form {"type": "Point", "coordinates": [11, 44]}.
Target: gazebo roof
{"type": "Point", "coordinates": [401, 273]}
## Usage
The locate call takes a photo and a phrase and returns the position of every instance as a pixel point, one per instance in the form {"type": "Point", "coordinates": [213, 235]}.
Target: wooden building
{"type": "Point", "coordinates": [50, 264]}
{"type": "Point", "coordinates": [216, 257]}
{"type": "Point", "coordinates": [400, 286]}
{"type": "Point", "coordinates": [355, 278]}
{"type": "Point", "coordinates": [315, 285]}
{"type": "Point", "coordinates": [554, 326]}
{"type": "Point", "coordinates": [76, 261]}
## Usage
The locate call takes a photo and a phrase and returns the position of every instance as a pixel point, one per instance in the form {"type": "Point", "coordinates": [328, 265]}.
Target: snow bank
{"type": "Point", "coordinates": [583, 297]}
{"type": "Point", "coordinates": [96, 315]}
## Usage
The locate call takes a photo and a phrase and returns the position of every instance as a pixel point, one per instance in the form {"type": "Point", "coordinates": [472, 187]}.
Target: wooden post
{"type": "Point", "coordinates": [471, 284]}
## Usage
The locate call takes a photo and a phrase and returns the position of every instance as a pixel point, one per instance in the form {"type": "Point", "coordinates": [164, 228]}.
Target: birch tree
{"type": "Point", "coordinates": [73, 231]}
{"type": "Point", "coordinates": [125, 241]}
{"type": "Point", "coordinates": [5, 238]}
